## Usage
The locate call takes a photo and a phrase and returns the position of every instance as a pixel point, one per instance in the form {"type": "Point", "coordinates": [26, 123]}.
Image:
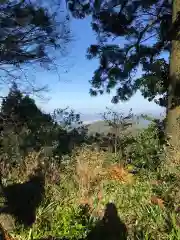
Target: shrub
{"type": "Point", "coordinates": [146, 149]}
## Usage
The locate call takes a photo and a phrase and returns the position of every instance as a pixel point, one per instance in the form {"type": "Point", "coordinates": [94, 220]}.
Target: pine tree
{"type": "Point", "coordinates": [24, 127]}
{"type": "Point", "coordinates": [10, 107]}
{"type": "Point", "coordinates": [135, 35]}
{"type": "Point", "coordinates": [173, 117]}
{"type": "Point", "coordinates": [29, 33]}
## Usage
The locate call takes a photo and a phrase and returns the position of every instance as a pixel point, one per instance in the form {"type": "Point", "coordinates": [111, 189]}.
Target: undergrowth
{"type": "Point", "coordinates": [147, 201]}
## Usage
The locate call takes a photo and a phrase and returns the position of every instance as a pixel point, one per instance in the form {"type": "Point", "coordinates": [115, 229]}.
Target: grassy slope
{"type": "Point", "coordinates": [132, 196]}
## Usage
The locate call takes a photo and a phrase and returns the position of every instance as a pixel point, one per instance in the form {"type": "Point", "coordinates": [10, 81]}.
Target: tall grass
{"type": "Point", "coordinates": [147, 202]}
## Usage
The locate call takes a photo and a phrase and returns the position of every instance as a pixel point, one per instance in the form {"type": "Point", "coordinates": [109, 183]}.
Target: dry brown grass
{"type": "Point", "coordinates": [88, 170]}
{"type": "Point", "coordinates": [29, 165]}
{"type": "Point", "coordinates": [117, 172]}
{"type": "Point", "coordinates": [4, 235]}
{"type": "Point", "coordinates": [157, 201]}
{"type": "Point", "coordinates": [21, 171]}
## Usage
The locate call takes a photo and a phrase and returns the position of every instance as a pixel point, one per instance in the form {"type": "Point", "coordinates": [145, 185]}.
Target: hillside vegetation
{"type": "Point", "coordinates": [111, 180]}
{"type": "Point", "coordinates": [81, 191]}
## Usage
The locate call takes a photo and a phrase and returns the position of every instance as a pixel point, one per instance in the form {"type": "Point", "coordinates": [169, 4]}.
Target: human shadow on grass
{"type": "Point", "coordinates": [22, 199]}
{"type": "Point", "coordinates": [110, 227]}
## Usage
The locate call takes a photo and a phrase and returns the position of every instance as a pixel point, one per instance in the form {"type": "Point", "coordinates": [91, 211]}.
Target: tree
{"type": "Point", "coordinates": [10, 107]}
{"type": "Point", "coordinates": [148, 32]}
{"type": "Point", "coordinates": [67, 118]}
{"type": "Point", "coordinates": [71, 130]}
{"type": "Point", "coordinates": [173, 127]}
{"type": "Point", "coordinates": [21, 110]}
{"type": "Point", "coordinates": [29, 33]}
{"type": "Point", "coordinates": [119, 123]}
{"type": "Point", "coordinates": [24, 127]}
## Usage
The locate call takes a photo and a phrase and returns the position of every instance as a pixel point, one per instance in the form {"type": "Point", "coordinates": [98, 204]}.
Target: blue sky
{"type": "Point", "coordinates": [72, 89]}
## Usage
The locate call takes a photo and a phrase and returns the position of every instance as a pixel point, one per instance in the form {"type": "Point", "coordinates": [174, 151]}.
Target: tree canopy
{"type": "Point", "coordinates": [24, 127]}
{"type": "Point", "coordinates": [132, 36]}
{"type": "Point", "coordinates": [29, 33]}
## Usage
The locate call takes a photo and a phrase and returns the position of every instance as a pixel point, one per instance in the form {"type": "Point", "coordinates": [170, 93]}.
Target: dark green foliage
{"type": "Point", "coordinates": [22, 110]}
{"type": "Point", "coordinates": [67, 118]}
{"type": "Point", "coordinates": [155, 82]}
{"type": "Point", "coordinates": [145, 149]}
{"type": "Point", "coordinates": [138, 148]}
{"type": "Point", "coordinates": [27, 30]}
{"type": "Point", "coordinates": [144, 31]}
{"type": "Point", "coordinates": [71, 132]}
{"type": "Point", "coordinates": [31, 32]}
{"type": "Point", "coordinates": [25, 128]}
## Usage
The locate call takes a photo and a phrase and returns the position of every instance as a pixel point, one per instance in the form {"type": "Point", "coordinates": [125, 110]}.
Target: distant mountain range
{"type": "Point", "coordinates": [93, 117]}
{"type": "Point", "coordinates": [101, 126]}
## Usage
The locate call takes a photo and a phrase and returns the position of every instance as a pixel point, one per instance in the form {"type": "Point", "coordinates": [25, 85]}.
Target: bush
{"type": "Point", "coordinates": [62, 220]}
{"type": "Point", "coordinates": [146, 149]}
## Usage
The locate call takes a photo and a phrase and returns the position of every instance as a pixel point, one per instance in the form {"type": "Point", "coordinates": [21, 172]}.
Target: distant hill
{"type": "Point", "coordinates": [102, 127]}
{"type": "Point", "coordinates": [98, 127]}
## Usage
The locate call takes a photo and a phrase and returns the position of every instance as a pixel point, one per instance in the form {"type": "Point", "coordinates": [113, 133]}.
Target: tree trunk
{"type": "Point", "coordinates": [115, 144]}
{"type": "Point", "coordinates": [173, 111]}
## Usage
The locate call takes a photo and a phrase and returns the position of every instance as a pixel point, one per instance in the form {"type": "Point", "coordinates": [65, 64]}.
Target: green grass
{"type": "Point", "coordinates": [60, 214]}
{"type": "Point", "coordinates": [88, 179]}
{"type": "Point", "coordinates": [143, 219]}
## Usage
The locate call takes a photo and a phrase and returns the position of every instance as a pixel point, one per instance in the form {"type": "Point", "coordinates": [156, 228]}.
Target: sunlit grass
{"type": "Point", "coordinates": [141, 199]}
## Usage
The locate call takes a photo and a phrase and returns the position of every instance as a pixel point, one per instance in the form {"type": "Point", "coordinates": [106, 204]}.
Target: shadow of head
{"type": "Point", "coordinates": [22, 199]}
{"type": "Point", "coordinates": [110, 227]}
{"type": "Point", "coordinates": [111, 212]}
